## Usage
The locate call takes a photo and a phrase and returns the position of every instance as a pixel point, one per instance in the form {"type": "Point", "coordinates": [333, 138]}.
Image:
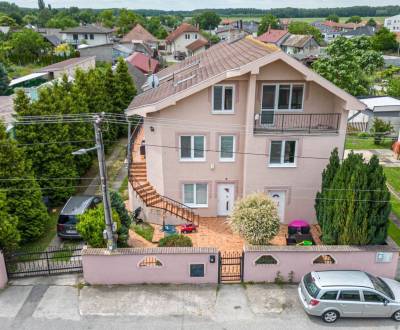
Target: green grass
{"type": "Point", "coordinates": [394, 232]}
{"type": "Point", "coordinates": [144, 230]}
{"type": "Point", "coordinates": [17, 71]}
{"type": "Point", "coordinates": [123, 190]}
{"type": "Point", "coordinates": [66, 251]}
{"type": "Point", "coordinates": [355, 142]}
{"type": "Point", "coordinates": [393, 177]}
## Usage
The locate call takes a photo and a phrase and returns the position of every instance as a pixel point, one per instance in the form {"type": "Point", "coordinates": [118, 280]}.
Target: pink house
{"type": "Point", "coordinates": [239, 118]}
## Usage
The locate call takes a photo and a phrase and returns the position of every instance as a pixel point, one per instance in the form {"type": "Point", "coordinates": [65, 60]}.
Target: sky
{"type": "Point", "coordinates": [191, 4]}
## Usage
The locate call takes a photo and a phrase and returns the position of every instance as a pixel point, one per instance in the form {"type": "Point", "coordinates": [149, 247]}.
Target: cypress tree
{"type": "Point", "coordinates": [9, 234]}
{"type": "Point", "coordinates": [4, 81]}
{"type": "Point", "coordinates": [22, 192]}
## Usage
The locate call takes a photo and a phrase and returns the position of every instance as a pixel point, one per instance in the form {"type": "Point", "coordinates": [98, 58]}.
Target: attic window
{"type": "Point", "coordinates": [324, 259]}
{"type": "Point", "coordinates": [266, 259]}
{"type": "Point", "coordinates": [223, 96]}
{"type": "Point", "coordinates": [150, 262]}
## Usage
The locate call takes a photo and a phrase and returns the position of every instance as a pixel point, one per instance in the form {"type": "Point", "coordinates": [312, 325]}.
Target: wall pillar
{"type": "Point", "coordinates": [3, 272]}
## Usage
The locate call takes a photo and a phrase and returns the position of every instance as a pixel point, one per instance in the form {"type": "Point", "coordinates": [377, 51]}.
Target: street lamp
{"type": "Point", "coordinates": [83, 151]}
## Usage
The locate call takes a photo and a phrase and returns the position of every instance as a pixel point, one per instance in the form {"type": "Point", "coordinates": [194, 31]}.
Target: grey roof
{"type": "Point", "coordinates": [138, 76]}
{"type": "Point", "coordinates": [123, 49]}
{"type": "Point", "coordinates": [362, 31]}
{"type": "Point", "coordinates": [54, 40]}
{"type": "Point", "coordinates": [88, 29]}
{"type": "Point", "coordinates": [76, 205]}
{"type": "Point", "coordinates": [297, 40]}
{"type": "Point", "coordinates": [65, 64]}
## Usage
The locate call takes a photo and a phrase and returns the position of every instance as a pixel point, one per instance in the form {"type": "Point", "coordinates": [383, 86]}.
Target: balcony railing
{"type": "Point", "coordinates": [268, 122]}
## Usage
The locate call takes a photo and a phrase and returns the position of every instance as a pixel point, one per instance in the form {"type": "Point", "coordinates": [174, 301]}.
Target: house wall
{"type": "Point", "coordinates": [180, 43]}
{"type": "Point", "coordinates": [123, 266]}
{"type": "Point", "coordinates": [103, 53]}
{"type": "Point", "coordinates": [300, 261]}
{"type": "Point", "coordinates": [99, 38]}
{"type": "Point", "coordinates": [88, 64]}
{"type": "Point", "coordinates": [3, 272]}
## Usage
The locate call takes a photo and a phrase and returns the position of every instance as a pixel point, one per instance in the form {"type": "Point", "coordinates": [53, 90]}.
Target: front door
{"type": "Point", "coordinates": [279, 199]}
{"type": "Point", "coordinates": [226, 198]}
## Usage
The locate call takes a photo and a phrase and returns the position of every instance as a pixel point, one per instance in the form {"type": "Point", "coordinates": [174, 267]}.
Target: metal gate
{"type": "Point", "coordinates": [230, 267]}
{"type": "Point", "coordinates": [52, 261]}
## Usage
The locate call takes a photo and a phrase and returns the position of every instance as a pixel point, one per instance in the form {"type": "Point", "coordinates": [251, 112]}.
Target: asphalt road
{"type": "Point", "coordinates": [62, 303]}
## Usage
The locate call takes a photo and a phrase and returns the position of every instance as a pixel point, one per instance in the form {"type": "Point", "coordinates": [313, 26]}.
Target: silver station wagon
{"type": "Point", "coordinates": [341, 293]}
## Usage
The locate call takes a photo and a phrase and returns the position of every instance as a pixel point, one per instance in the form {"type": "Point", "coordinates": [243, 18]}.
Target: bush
{"type": "Point", "coordinates": [255, 218]}
{"type": "Point", "coordinates": [91, 226]}
{"type": "Point", "coordinates": [379, 129]}
{"type": "Point", "coordinates": [176, 240]}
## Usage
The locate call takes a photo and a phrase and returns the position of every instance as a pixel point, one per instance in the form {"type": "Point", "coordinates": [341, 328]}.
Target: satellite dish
{"type": "Point", "coordinates": [153, 81]}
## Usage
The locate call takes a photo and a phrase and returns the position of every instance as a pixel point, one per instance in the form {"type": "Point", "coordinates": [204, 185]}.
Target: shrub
{"type": "Point", "coordinates": [176, 240]}
{"type": "Point", "coordinates": [379, 129]}
{"type": "Point", "coordinates": [255, 218]}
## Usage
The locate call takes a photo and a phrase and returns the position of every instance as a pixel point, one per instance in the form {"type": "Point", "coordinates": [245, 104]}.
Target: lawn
{"type": "Point", "coordinates": [356, 142]}
{"type": "Point", "coordinates": [123, 190]}
{"type": "Point", "coordinates": [17, 71]}
{"type": "Point", "coordinates": [144, 230]}
{"type": "Point", "coordinates": [393, 177]}
{"type": "Point", "coordinates": [394, 232]}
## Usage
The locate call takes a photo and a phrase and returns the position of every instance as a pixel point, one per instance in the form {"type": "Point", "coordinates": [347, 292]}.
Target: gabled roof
{"type": "Point", "coordinates": [183, 28]}
{"type": "Point", "coordinates": [297, 40]}
{"type": "Point", "coordinates": [54, 40]}
{"type": "Point", "coordinates": [362, 31]}
{"type": "Point", "coordinates": [223, 61]}
{"type": "Point", "coordinates": [272, 35]}
{"type": "Point", "coordinates": [65, 64]}
{"type": "Point", "coordinates": [88, 29]}
{"type": "Point", "coordinates": [139, 33]}
{"type": "Point", "coordinates": [197, 44]}
{"type": "Point", "coordinates": [378, 103]}
{"type": "Point", "coordinates": [143, 62]}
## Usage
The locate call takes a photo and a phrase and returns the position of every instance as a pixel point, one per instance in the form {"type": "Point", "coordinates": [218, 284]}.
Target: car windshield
{"type": "Point", "coordinates": [67, 220]}
{"type": "Point", "coordinates": [310, 285]}
{"type": "Point", "coordinates": [381, 286]}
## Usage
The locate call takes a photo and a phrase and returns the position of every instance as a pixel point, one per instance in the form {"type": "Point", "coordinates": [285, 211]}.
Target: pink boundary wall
{"type": "Point", "coordinates": [122, 266]}
{"type": "Point", "coordinates": [3, 272]}
{"type": "Point", "coordinates": [299, 259]}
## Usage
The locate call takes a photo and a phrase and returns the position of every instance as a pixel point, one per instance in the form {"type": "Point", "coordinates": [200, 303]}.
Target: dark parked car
{"type": "Point", "coordinates": [67, 220]}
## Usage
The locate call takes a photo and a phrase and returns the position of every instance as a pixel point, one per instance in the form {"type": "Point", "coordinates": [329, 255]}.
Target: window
{"type": "Point", "coordinates": [227, 148]}
{"type": "Point", "coordinates": [310, 285]}
{"type": "Point", "coordinates": [75, 36]}
{"type": "Point", "coordinates": [266, 260]}
{"type": "Point", "coordinates": [195, 36]}
{"type": "Point", "coordinates": [223, 96]}
{"type": "Point", "coordinates": [91, 36]}
{"type": "Point", "coordinates": [282, 97]}
{"type": "Point", "coordinates": [373, 297]}
{"type": "Point", "coordinates": [329, 295]}
{"type": "Point", "coordinates": [349, 295]}
{"type": "Point", "coordinates": [324, 259]}
{"type": "Point", "coordinates": [282, 153]}
{"type": "Point", "coordinates": [195, 194]}
{"type": "Point", "coordinates": [187, 36]}
{"type": "Point", "coordinates": [150, 262]}
{"type": "Point", "coordinates": [196, 270]}
{"type": "Point", "coordinates": [192, 148]}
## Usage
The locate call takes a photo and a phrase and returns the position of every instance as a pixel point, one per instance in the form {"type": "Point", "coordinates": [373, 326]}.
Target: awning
{"type": "Point", "coordinates": [27, 78]}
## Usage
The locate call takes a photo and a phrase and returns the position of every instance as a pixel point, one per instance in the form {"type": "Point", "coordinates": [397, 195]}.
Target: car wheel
{"type": "Point", "coordinates": [330, 316]}
{"type": "Point", "coordinates": [396, 316]}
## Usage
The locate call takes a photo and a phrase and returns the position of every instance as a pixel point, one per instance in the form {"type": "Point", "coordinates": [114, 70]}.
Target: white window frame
{"type": "Point", "coordinates": [192, 158]}
{"type": "Point", "coordinates": [277, 87]}
{"type": "Point", "coordinates": [187, 36]}
{"type": "Point", "coordinates": [194, 205]}
{"type": "Point", "coordinates": [223, 111]}
{"type": "Point", "coordinates": [282, 164]}
{"type": "Point", "coordinates": [227, 160]}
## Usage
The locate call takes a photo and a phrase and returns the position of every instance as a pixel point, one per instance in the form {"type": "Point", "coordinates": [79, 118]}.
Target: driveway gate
{"type": "Point", "coordinates": [230, 267]}
{"type": "Point", "coordinates": [52, 261]}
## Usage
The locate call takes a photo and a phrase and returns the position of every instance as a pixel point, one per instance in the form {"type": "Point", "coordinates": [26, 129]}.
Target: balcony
{"type": "Point", "coordinates": [269, 122]}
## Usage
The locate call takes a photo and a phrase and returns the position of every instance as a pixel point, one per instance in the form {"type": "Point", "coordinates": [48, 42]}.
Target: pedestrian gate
{"type": "Point", "coordinates": [230, 267]}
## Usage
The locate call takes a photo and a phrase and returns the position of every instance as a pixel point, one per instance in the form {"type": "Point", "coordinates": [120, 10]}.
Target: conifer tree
{"type": "Point", "coordinates": [125, 89]}
{"type": "Point", "coordinates": [24, 202]}
{"type": "Point", "coordinates": [9, 234]}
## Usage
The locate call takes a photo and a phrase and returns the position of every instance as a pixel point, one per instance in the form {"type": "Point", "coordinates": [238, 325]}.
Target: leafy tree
{"type": "Point", "coordinates": [255, 218]}
{"type": "Point", "coordinates": [394, 87]}
{"type": "Point", "coordinates": [268, 21]}
{"type": "Point", "coordinates": [7, 21]}
{"type": "Point", "coordinates": [29, 19]}
{"type": "Point", "coordinates": [154, 26]}
{"type": "Point", "coordinates": [298, 27]}
{"type": "Point", "coordinates": [371, 22]}
{"type": "Point", "coordinates": [61, 23]}
{"type": "Point", "coordinates": [91, 225]}
{"type": "Point", "coordinates": [379, 129]}
{"type": "Point", "coordinates": [23, 196]}
{"type": "Point", "coordinates": [332, 18]}
{"type": "Point", "coordinates": [4, 80]}
{"type": "Point", "coordinates": [107, 18]}
{"type": "Point", "coordinates": [354, 19]}
{"type": "Point", "coordinates": [9, 234]}
{"type": "Point", "coordinates": [384, 40]}
{"type": "Point", "coordinates": [207, 20]}
{"type": "Point", "coordinates": [127, 20]}
{"type": "Point", "coordinates": [176, 240]}
{"type": "Point", "coordinates": [212, 38]}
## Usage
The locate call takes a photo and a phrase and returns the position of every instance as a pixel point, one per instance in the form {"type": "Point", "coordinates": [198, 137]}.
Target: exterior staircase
{"type": "Point", "coordinates": [146, 192]}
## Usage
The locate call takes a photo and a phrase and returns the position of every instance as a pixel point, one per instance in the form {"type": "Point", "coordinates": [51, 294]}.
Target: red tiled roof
{"type": "Point", "coordinates": [272, 35]}
{"type": "Point", "coordinates": [343, 25]}
{"type": "Point", "coordinates": [143, 62]}
{"type": "Point", "coordinates": [139, 33]}
{"type": "Point", "coordinates": [184, 27]}
{"type": "Point", "coordinates": [197, 44]}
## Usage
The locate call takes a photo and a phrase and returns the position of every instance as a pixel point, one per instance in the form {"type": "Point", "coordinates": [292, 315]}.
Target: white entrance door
{"type": "Point", "coordinates": [226, 198]}
{"type": "Point", "coordinates": [279, 199]}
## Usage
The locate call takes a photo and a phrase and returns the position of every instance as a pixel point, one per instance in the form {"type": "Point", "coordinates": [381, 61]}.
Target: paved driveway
{"type": "Point", "coordinates": [61, 303]}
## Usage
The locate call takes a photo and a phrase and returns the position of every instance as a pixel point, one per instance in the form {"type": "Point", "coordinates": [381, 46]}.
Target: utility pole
{"type": "Point", "coordinates": [109, 235]}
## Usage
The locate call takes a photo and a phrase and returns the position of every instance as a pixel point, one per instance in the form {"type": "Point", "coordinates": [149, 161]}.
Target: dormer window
{"type": "Point", "coordinates": [223, 96]}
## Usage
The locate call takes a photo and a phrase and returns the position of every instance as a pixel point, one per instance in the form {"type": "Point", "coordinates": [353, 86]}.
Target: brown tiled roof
{"type": "Point", "coordinates": [216, 60]}
{"type": "Point", "coordinates": [156, 250]}
{"type": "Point", "coordinates": [343, 25]}
{"type": "Point", "coordinates": [197, 44]}
{"type": "Point", "coordinates": [139, 33]}
{"type": "Point", "coordinates": [297, 40]}
{"type": "Point", "coordinates": [183, 28]}
{"type": "Point", "coordinates": [64, 64]}
{"type": "Point", "coordinates": [272, 35]}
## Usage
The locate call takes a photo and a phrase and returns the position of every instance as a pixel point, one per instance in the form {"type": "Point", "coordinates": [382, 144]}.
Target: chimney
{"type": "Point", "coordinates": [241, 24]}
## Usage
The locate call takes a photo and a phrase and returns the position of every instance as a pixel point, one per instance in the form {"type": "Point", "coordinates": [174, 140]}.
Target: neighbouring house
{"type": "Point", "coordinates": [284, 23]}
{"type": "Point", "coordinates": [49, 32]}
{"type": "Point", "coordinates": [383, 107]}
{"type": "Point", "coordinates": [106, 53]}
{"type": "Point", "coordinates": [300, 44]}
{"type": "Point", "coordinates": [182, 36]}
{"type": "Point", "coordinates": [366, 30]}
{"type": "Point", "coordinates": [144, 63]}
{"type": "Point", "coordinates": [393, 23]}
{"type": "Point", "coordinates": [274, 36]}
{"type": "Point", "coordinates": [138, 76]}
{"type": "Point", "coordinates": [90, 35]}
{"type": "Point", "coordinates": [197, 47]}
{"type": "Point", "coordinates": [251, 27]}
{"type": "Point", "coordinates": [239, 118]}
{"type": "Point", "coordinates": [31, 83]}
{"type": "Point", "coordinates": [328, 33]}
{"type": "Point", "coordinates": [5, 29]}
{"type": "Point", "coordinates": [343, 26]}
{"type": "Point", "coordinates": [228, 33]}
{"type": "Point", "coordinates": [139, 35]}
